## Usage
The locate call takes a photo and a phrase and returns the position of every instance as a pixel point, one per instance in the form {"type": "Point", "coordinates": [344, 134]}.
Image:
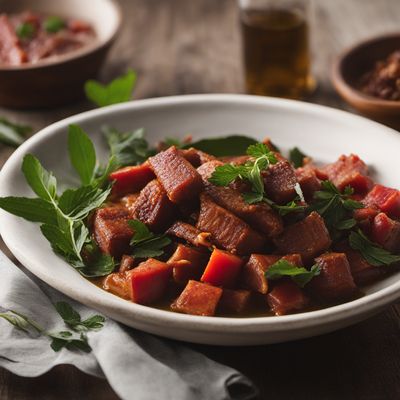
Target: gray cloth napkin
{"type": "Point", "coordinates": [137, 365]}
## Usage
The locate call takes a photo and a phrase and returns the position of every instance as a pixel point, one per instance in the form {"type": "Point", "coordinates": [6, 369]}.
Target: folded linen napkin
{"type": "Point", "coordinates": [137, 365]}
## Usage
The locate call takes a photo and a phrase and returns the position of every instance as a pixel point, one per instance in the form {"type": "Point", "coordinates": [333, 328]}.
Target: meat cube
{"type": "Point", "coordinates": [11, 52]}
{"type": "Point", "coordinates": [286, 297]}
{"type": "Point", "coordinates": [362, 272]}
{"type": "Point", "coordinates": [190, 233]}
{"type": "Point", "coordinates": [386, 232]}
{"type": "Point", "coordinates": [234, 301]}
{"type": "Point", "coordinates": [308, 238]}
{"type": "Point", "coordinates": [227, 231]}
{"type": "Point", "coordinates": [111, 230]}
{"type": "Point", "coordinates": [154, 208]}
{"type": "Point", "coordinates": [131, 179]}
{"type": "Point", "coordinates": [385, 199]}
{"type": "Point", "coordinates": [279, 181]}
{"type": "Point", "coordinates": [308, 182]}
{"type": "Point", "coordinates": [179, 178]}
{"type": "Point", "coordinates": [259, 216]}
{"type": "Point", "coordinates": [222, 269]}
{"type": "Point", "coordinates": [148, 281]}
{"type": "Point", "coordinates": [188, 263]}
{"type": "Point", "coordinates": [196, 157]}
{"type": "Point", "coordinates": [253, 274]}
{"type": "Point", "coordinates": [349, 171]}
{"type": "Point", "coordinates": [127, 263]}
{"type": "Point", "coordinates": [365, 214]}
{"type": "Point", "coordinates": [117, 283]}
{"type": "Point", "coordinates": [198, 299]}
{"type": "Point", "coordinates": [335, 281]}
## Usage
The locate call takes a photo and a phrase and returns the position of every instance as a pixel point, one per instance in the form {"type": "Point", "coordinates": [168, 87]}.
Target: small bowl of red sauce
{"type": "Point", "coordinates": [367, 77]}
{"type": "Point", "coordinates": [49, 49]}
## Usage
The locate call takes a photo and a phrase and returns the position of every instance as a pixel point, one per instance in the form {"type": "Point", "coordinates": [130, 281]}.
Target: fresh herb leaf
{"type": "Point", "coordinates": [296, 156]}
{"type": "Point", "coordinates": [94, 322]}
{"type": "Point", "coordinates": [346, 224]}
{"type": "Point", "coordinates": [291, 207]}
{"type": "Point", "coordinates": [42, 182]}
{"type": "Point", "coordinates": [118, 91]}
{"type": "Point", "coordinates": [373, 254]}
{"type": "Point", "coordinates": [128, 148]}
{"type": "Point", "coordinates": [34, 210]}
{"type": "Point", "coordinates": [146, 244]}
{"type": "Point", "coordinates": [82, 153]}
{"type": "Point", "coordinates": [12, 134]}
{"type": "Point", "coordinates": [262, 157]}
{"type": "Point", "coordinates": [335, 207]}
{"type": "Point", "coordinates": [234, 145]}
{"type": "Point", "coordinates": [299, 275]}
{"type": "Point", "coordinates": [53, 24]}
{"type": "Point", "coordinates": [17, 320]}
{"type": "Point", "coordinates": [25, 30]}
{"type": "Point", "coordinates": [169, 141]}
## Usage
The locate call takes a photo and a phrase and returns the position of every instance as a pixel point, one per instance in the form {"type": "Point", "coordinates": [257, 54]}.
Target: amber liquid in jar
{"type": "Point", "coordinates": [276, 53]}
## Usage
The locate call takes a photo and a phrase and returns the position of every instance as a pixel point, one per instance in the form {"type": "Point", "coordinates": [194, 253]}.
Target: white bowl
{"type": "Point", "coordinates": [319, 131]}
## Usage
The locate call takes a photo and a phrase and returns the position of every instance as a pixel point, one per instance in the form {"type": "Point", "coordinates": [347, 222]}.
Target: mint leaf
{"type": "Point", "coordinates": [12, 134]}
{"type": "Point", "coordinates": [35, 210]}
{"type": "Point", "coordinates": [296, 156]}
{"type": "Point", "coordinates": [67, 313]}
{"type": "Point", "coordinates": [82, 153]}
{"type": "Point", "coordinates": [373, 254]}
{"type": "Point", "coordinates": [146, 244]}
{"type": "Point", "coordinates": [94, 323]}
{"type": "Point", "coordinates": [42, 182]}
{"type": "Point", "coordinates": [118, 91]}
{"type": "Point", "coordinates": [299, 275]}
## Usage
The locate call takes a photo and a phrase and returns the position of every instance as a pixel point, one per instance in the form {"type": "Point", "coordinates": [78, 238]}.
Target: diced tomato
{"type": "Point", "coordinates": [198, 299]}
{"type": "Point", "coordinates": [222, 269]}
{"type": "Point", "coordinates": [381, 228]}
{"type": "Point", "coordinates": [148, 281]}
{"type": "Point", "coordinates": [386, 199]}
{"type": "Point", "coordinates": [131, 179]}
{"type": "Point", "coordinates": [366, 213]}
{"type": "Point", "coordinates": [286, 297]}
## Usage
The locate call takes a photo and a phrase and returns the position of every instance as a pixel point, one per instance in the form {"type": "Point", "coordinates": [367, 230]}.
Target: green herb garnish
{"type": "Point", "coordinates": [335, 207]}
{"type": "Point", "coordinates": [128, 148]}
{"type": "Point", "coordinates": [63, 218]}
{"type": "Point", "coordinates": [118, 91]}
{"type": "Point", "coordinates": [53, 24]}
{"type": "Point", "coordinates": [75, 339]}
{"type": "Point", "coordinates": [26, 30]}
{"type": "Point", "coordinates": [291, 207]}
{"type": "Point", "coordinates": [299, 275]}
{"type": "Point", "coordinates": [12, 134]}
{"type": "Point", "coordinates": [262, 157]}
{"type": "Point", "coordinates": [373, 254]}
{"type": "Point", "coordinates": [146, 244]}
{"type": "Point", "coordinates": [296, 156]}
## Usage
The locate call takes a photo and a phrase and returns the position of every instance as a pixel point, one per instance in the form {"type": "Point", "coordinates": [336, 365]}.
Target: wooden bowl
{"type": "Point", "coordinates": [59, 81]}
{"type": "Point", "coordinates": [352, 64]}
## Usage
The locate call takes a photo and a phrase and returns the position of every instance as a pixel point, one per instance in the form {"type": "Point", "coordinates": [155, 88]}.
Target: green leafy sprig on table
{"type": "Point", "coordinates": [146, 244]}
{"type": "Point", "coordinates": [63, 217]}
{"type": "Point", "coordinates": [373, 253]}
{"type": "Point", "coordinates": [73, 339]}
{"type": "Point", "coordinates": [12, 134]}
{"type": "Point", "coordinates": [117, 91]}
{"type": "Point", "coordinates": [335, 207]}
{"type": "Point", "coordinates": [300, 275]}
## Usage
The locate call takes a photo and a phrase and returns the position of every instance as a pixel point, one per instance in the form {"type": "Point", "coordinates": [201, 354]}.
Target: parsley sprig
{"type": "Point", "coordinates": [117, 91]}
{"type": "Point", "coordinates": [299, 275]}
{"type": "Point", "coordinates": [146, 244]}
{"type": "Point", "coordinates": [63, 217]}
{"type": "Point", "coordinates": [261, 158]}
{"type": "Point", "coordinates": [373, 254]}
{"type": "Point", "coordinates": [75, 338]}
{"type": "Point", "coordinates": [296, 156]}
{"type": "Point", "coordinates": [335, 207]}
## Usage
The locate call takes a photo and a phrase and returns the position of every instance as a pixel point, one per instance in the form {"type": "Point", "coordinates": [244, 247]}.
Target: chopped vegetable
{"type": "Point", "coordinates": [53, 24]}
{"type": "Point", "coordinates": [296, 156]}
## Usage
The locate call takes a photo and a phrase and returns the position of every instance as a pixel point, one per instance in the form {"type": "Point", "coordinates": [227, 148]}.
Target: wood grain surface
{"type": "Point", "coordinates": [178, 47]}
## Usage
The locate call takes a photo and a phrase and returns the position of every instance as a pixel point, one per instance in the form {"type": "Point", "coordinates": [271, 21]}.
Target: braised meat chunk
{"type": "Point", "coordinates": [179, 178]}
{"type": "Point", "coordinates": [308, 238]}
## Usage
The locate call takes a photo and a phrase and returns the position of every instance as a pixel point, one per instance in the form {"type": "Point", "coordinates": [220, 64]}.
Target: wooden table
{"type": "Point", "coordinates": [180, 46]}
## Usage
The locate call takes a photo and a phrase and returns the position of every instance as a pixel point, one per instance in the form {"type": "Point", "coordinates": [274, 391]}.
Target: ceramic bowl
{"type": "Point", "coordinates": [54, 82]}
{"type": "Point", "coordinates": [354, 63]}
{"type": "Point", "coordinates": [321, 132]}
